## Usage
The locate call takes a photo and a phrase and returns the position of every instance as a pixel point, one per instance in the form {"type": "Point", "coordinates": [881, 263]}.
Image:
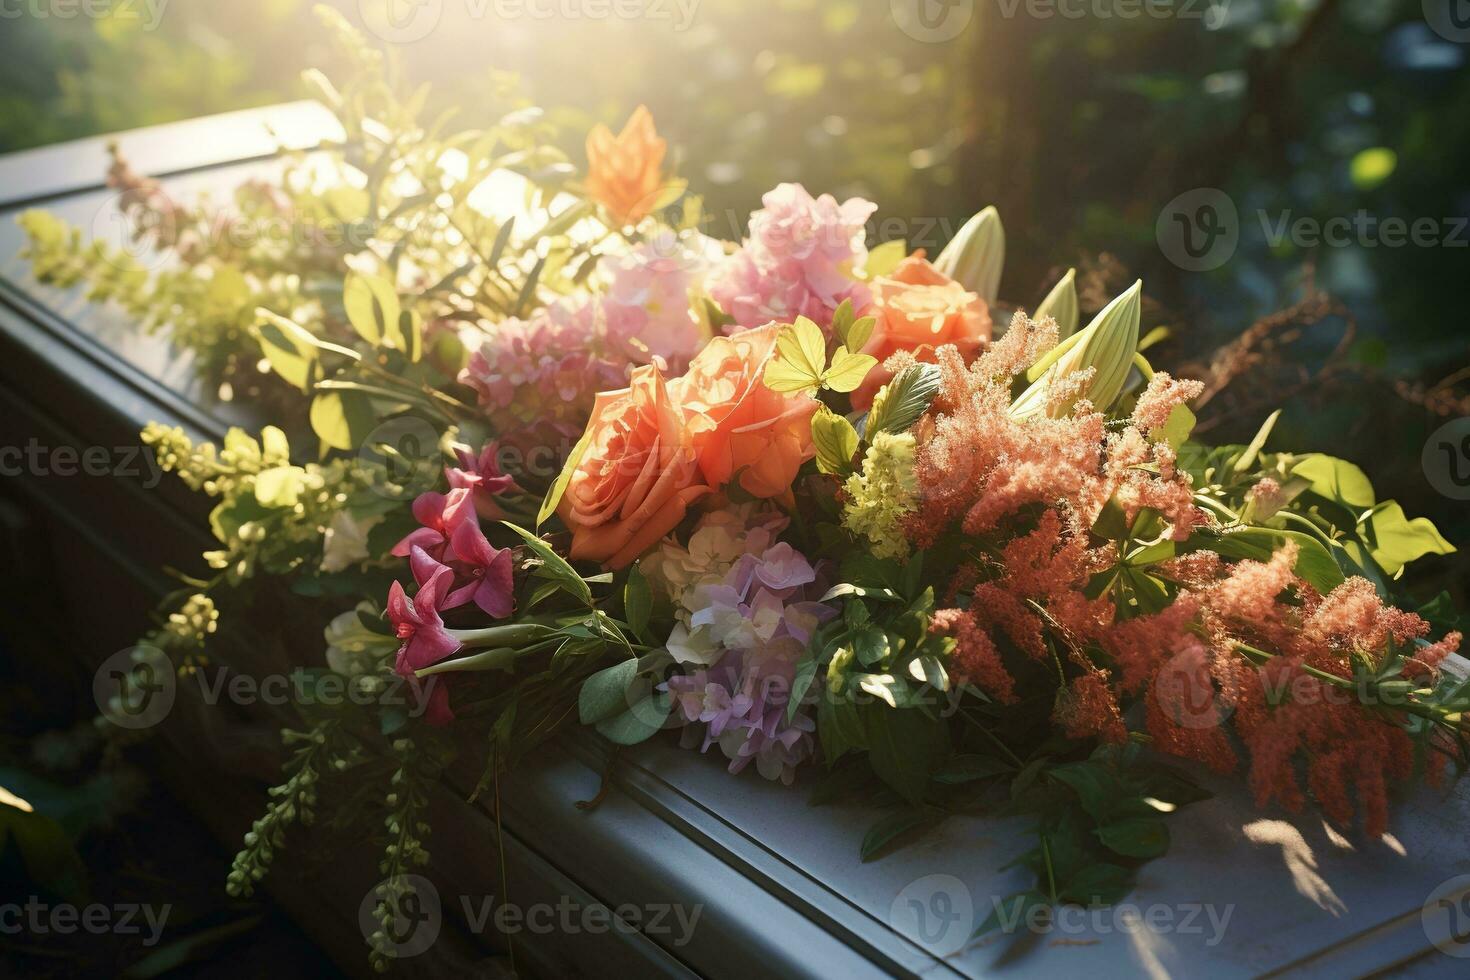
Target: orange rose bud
{"type": "Point", "coordinates": [920, 309]}
{"type": "Point", "coordinates": [637, 476]}
{"type": "Point", "coordinates": [623, 171]}
{"type": "Point", "coordinates": [739, 425]}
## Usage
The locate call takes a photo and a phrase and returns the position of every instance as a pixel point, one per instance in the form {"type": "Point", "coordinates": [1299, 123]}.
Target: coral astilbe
{"type": "Point", "coordinates": [1188, 662]}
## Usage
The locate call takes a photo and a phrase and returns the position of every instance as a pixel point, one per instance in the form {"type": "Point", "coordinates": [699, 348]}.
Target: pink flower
{"type": "Point", "coordinates": [646, 309]}
{"type": "Point", "coordinates": [481, 476]}
{"type": "Point", "coordinates": [538, 378]}
{"type": "Point", "coordinates": [424, 640]}
{"type": "Point", "coordinates": [487, 569]}
{"type": "Point", "coordinates": [798, 260]}
{"type": "Point", "coordinates": [439, 514]}
{"type": "Point", "coordinates": [478, 573]}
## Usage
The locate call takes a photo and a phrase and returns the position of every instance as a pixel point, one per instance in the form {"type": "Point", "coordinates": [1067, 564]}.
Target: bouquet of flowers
{"type": "Point", "coordinates": [812, 505]}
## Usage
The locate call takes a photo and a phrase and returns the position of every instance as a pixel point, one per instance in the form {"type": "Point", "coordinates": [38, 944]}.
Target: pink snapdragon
{"type": "Point", "coordinates": [798, 260]}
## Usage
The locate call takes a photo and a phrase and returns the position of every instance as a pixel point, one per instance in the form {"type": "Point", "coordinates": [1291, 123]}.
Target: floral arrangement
{"type": "Point", "coordinates": [814, 506]}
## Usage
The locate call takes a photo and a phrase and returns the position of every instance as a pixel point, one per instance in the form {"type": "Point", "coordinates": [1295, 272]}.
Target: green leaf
{"type": "Point", "coordinates": [554, 493]}
{"type": "Point", "coordinates": [848, 370]}
{"type": "Point", "coordinates": [1248, 458]}
{"type": "Point", "coordinates": [905, 747]}
{"type": "Point", "coordinates": [639, 722]}
{"type": "Point", "coordinates": [802, 360]}
{"type": "Point", "coordinates": [842, 321]}
{"type": "Point", "coordinates": [1136, 837]}
{"type": "Point", "coordinates": [903, 400]}
{"type": "Point", "coordinates": [1394, 540]}
{"type": "Point", "coordinates": [966, 768]}
{"type": "Point", "coordinates": [1337, 480]}
{"type": "Point", "coordinates": [1176, 429]}
{"type": "Point", "coordinates": [1098, 884]}
{"type": "Point", "coordinates": [291, 355]}
{"type": "Point", "coordinates": [341, 419]}
{"type": "Point", "coordinates": [604, 694]}
{"type": "Point", "coordinates": [870, 646]}
{"type": "Point", "coordinates": [372, 308]}
{"type": "Point", "coordinates": [861, 332]}
{"type": "Point", "coordinates": [839, 727]}
{"type": "Point", "coordinates": [637, 601]}
{"type": "Point", "coordinates": [1313, 562]}
{"type": "Point", "coordinates": [835, 441]}
{"type": "Point", "coordinates": [884, 258]}
{"type": "Point", "coordinates": [554, 566]}
{"type": "Point", "coordinates": [1092, 784]}
{"type": "Point", "coordinates": [889, 828]}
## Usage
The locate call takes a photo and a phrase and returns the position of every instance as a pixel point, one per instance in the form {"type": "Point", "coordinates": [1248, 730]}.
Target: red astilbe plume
{"type": "Point", "coordinates": [1294, 711]}
{"type": "Point", "coordinates": [1088, 708]}
{"type": "Point", "coordinates": [975, 659]}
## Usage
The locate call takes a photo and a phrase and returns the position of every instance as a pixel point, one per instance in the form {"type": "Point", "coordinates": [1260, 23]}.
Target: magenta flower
{"type": "Point", "coordinates": [439, 514]}
{"type": "Point", "coordinates": [423, 638]}
{"type": "Point", "coordinates": [481, 476]}
{"type": "Point", "coordinates": [488, 570]}
{"type": "Point", "coordinates": [417, 623]}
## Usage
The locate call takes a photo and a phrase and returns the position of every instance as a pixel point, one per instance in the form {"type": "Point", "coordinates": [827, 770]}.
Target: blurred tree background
{"type": "Point", "coordinates": [1080, 119]}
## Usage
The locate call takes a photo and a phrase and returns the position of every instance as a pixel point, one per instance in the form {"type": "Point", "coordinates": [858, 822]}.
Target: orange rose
{"type": "Point", "coordinates": [919, 309]}
{"type": "Point", "coordinates": [740, 425]}
{"type": "Point", "coordinates": [623, 171]}
{"type": "Point", "coordinates": [637, 475]}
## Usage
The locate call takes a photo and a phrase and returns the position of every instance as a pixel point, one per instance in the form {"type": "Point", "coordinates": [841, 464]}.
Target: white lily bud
{"type": "Point", "coordinates": [974, 257]}
{"type": "Point", "coordinates": [1061, 305]}
{"type": "Point", "coordinates": [1107, 345]}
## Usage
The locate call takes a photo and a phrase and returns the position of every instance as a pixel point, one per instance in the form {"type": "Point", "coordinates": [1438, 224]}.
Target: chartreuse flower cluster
{"type": "Point", "coordinates": [811, 503]}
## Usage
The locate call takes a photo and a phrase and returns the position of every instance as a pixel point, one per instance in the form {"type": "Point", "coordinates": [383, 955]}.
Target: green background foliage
{"type": "Point", "coordinates": [1080, 129]}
